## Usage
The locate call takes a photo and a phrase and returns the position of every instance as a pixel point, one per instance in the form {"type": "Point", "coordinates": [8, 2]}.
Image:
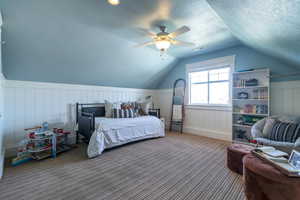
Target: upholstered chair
{"type": "Point", "coordinates": [257, 134]}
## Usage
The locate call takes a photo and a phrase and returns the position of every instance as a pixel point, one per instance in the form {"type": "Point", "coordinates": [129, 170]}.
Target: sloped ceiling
{"type": "Point", "coordinates": [272, 26]}
{"type": "Point", "coordinates": [91, 42]}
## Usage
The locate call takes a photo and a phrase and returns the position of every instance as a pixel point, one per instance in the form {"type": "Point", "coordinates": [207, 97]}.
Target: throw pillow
{"type": "Point", "coordinates": [285, 132]}
{"type": "Point", "coordinates": [268, 127]}
{"type": "Point", "coordinates": [144, 107]}
{"type": "Point", "coordinates": [124, 113]}
{"type": "Point", "coordinates": [128, 105]}
{"type": "Point", "coordinates": [110, 106]}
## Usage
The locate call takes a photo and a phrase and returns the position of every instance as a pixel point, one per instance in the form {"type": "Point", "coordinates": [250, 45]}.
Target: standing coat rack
{"type": "Point", "coordinates": [177, 112]}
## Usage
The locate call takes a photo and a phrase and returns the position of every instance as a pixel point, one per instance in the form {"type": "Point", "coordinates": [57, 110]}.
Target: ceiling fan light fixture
{"type": "Point", "coordinates": [114, 2]}
{"type": "Point", "coordinates": [162, 45]}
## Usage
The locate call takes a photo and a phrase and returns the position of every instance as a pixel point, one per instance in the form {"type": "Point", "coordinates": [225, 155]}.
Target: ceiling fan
{"type": "Point", "coordinates": [163, 40]}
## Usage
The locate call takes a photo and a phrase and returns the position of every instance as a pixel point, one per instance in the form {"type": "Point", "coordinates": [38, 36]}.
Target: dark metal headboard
{"type": "Point", "coordinates": [85, 118]}
{"type": "Point", "coordinates": [96, 109]}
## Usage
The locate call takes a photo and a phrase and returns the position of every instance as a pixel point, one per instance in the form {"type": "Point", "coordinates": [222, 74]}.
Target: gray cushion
{"type": "Point", "coordinates": [257, 128]}
{"type": "Point", "coordinates": [274, 143]}
{"type": "Point", "coordinates": [268, 127]}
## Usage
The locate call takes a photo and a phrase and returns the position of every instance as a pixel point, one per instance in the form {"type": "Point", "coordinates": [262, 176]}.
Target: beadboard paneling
{"type": "Point", "coordinates": [285, 98]}
{"type": "Point", "coordinates": [29, 104]}
{"type": "Point", "coordinates": [2, 150]}
{"type": "Point", "coordinates": [210, 122]}
{"type": "Point", "coordinates": [2, 79]}
{"type": "Point", "coordinates": [216, 123]}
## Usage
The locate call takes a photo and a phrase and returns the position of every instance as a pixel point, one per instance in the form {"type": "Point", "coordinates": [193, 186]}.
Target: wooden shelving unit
{"type": "Point", "coordinates": [250, 101]}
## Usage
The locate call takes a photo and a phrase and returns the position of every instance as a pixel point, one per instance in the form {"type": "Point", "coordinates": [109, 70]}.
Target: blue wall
{"type": "Point", "coordinates": [245, 58]}
{"type": "Point", "coordinates": [64, 41]}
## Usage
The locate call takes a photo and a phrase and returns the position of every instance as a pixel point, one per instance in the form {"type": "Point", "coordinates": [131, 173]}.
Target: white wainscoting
{"type": "Point", "coordinates": [285, 98]}
{"type": "Point", "coordinates": [209, 122]}
{"type": "Point", "coordinates": [29, 104]}
{"type": "Point", "coordinates": [216, 123]}
{"type": "Point", "coordinates": [2, 150]}
{"type": "Point", "coordinates": [2, 79]}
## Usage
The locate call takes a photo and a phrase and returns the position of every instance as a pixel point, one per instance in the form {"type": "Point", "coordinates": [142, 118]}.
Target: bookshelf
{"type": "Point", "coordinates": [250, 101]}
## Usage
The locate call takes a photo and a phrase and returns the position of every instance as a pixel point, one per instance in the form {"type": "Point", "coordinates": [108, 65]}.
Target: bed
{"type": "Point", "coordinates": [103, 133]}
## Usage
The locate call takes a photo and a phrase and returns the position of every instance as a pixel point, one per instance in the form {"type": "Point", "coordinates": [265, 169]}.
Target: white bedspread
{"type": "Point", "coordinates": [111, 132]}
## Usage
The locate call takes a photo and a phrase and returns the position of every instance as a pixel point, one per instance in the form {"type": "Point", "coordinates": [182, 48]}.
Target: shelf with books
{"type": "Point", "coordinates": [252, 114]}
{"type": "Point", "coordinates": [242, 125]}
{"type": "Point", "coordinates": [250, 71]}
{"type": "Point", "coordinates": [250, 101]}
{"type": "Point", "coordinates": [250, 87]}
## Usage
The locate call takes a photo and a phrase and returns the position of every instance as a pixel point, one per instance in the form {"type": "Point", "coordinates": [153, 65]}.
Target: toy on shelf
{"type": "Point", "coordinates": [251, 109]}
{"type": "Point", "coordinates": [40, 142]}
{"type": "Point", "coordinates": [22, 154]}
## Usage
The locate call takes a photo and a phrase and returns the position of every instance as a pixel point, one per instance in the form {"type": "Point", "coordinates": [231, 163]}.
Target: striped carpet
{"type": "Point", "coordinates": [175, 167]}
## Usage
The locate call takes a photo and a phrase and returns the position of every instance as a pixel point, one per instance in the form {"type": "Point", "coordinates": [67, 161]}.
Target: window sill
{"type": "Point", "coordinates": [209, 107]}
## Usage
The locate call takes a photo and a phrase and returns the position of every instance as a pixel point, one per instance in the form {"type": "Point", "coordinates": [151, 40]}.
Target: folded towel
{"type": "Point", "coordinates": [177, 112]}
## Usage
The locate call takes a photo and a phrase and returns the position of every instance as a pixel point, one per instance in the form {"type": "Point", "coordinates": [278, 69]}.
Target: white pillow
{"type": "Point", "coordinates": [145, 106]}
{"type": "Point", "coordinates": [110, 106]}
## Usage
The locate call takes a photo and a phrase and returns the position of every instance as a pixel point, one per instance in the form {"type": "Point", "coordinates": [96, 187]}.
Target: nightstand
{"type": "Point", "coordinates": [154, 112]}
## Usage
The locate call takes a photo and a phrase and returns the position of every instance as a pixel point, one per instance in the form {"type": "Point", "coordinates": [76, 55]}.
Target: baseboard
{"type": "Point", "coordinates": [208, 133]}
{"type": "Point", "coordinates": [10, 152]}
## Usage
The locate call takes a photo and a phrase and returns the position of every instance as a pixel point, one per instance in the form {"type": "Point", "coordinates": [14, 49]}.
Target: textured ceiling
{"type": "Point", "coordinates": [92, 42]}
{"type": "Point", "coordinates": [207, 29]}
{"type": "Point", "coordinates": [272, 26]}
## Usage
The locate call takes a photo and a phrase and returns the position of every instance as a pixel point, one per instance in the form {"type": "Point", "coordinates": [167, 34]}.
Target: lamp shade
{"type": "Point", "coordinates": [162, 45]}
{"type": "Point", "coordinates": [114, 2]}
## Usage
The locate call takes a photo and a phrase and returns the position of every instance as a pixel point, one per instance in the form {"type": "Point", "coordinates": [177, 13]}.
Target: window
{"type": "Point", "coordinates": [209, 85]}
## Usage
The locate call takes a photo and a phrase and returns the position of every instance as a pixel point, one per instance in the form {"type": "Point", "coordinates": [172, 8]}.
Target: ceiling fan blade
{"type": "Point", "coordinates": [147, 32]}
{"type": "Point", "coordinates": [182, 43]}
{"type": "Point", "coordinates": [179, 31]}
{"type": "Point", "coordinates": [144, 44]}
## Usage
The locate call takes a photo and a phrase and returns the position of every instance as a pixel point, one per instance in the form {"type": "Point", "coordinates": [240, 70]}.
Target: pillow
{"type": "Point", "coordinates": [124, 113]}
{"type": "Point", "coordinates": [285, 132]}
{"type": "Point", "coordinates": [268, 127]}
{"type": "Point", "coordinates": [128, 105]}
{"type": "Point", "coordinates": [144, 107]}
{"type": "Point", "coordinates": [110, 106]}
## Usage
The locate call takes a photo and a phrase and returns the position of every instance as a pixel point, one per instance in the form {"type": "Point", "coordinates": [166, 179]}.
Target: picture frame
{"type": "Point", "coordinates": [294, 159]}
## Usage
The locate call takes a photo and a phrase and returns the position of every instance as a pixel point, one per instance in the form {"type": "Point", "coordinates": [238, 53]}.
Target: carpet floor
{"type": "Point", "coordinates": [179, 166]}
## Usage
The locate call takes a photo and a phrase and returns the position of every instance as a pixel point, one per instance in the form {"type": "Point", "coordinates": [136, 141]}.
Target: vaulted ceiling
{"type": "Point", "coordinates": [271, 26]}
{"type": "Point", "coordinates": [92, 42]}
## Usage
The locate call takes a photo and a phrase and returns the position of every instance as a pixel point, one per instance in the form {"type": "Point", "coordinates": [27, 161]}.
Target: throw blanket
{"type": "Point", "coordinates": [111, 132]}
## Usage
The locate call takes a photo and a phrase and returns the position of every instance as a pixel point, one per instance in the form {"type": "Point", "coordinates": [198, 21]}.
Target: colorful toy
{"type": "Point", "coordinates": [40, 143]}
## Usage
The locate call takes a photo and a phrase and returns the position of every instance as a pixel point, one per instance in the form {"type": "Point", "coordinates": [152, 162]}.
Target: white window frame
{"type": "Point", "coordinates": [227, 61]}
